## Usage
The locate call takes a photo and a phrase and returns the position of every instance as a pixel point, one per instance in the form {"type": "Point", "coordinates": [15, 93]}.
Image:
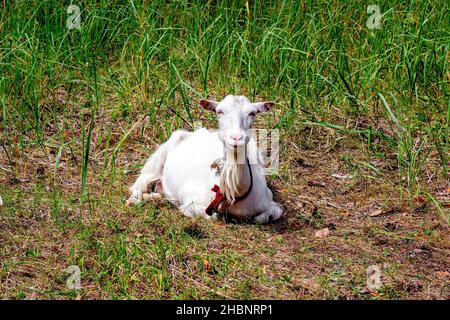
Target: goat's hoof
{"type": "Point", "coordinates": [132, 201]}
{"type": "Point", "coordinates": [212, 217]}
{"type": "Point", "coordinates": [128, 203]}
{"type": "Point", "coordinates": [153, 195]}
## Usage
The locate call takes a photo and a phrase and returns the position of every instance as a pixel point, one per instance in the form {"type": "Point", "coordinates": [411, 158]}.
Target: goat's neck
{"type": "Point", "coordinates": [235, 179]}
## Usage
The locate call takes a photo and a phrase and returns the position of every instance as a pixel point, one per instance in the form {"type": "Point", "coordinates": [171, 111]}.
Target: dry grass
{"type": "Point", "coordinates": [152, 251]}
{"type": "Point", "coordinates": [363, 116]}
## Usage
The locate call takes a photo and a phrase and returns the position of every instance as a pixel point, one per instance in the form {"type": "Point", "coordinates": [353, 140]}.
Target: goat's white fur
{"type": "Point", "coordinates": [183, 165]}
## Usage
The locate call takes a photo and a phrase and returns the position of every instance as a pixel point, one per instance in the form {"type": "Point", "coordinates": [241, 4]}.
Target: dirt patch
{"type": "Point", "coordinates": [153, 251]}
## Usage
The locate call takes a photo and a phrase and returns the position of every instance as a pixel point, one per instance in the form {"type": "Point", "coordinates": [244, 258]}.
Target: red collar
{"type": "Point", "coordinates": [220, 197]}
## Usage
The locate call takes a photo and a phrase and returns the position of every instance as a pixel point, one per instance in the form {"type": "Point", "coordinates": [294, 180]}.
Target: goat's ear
{"type": "Point", "coordinates": [263, 106]}
{"type": "Point", "coordinates": [208, 105]}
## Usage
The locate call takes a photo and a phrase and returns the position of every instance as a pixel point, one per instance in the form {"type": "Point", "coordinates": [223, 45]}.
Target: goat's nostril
{"type": "Point", "coordinates": [236, 137]}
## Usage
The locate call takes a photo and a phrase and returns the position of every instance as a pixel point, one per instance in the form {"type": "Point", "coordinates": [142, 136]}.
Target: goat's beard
{"type": "Point", "coordinates": [234, 178]}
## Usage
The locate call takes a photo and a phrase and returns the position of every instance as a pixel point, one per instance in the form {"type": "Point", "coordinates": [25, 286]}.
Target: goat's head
{"type": "Point", "coordinates": [236, 115]}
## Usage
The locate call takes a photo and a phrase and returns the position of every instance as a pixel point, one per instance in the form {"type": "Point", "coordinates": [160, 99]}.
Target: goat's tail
{"type": "Point", "coordinates": [153, 168]}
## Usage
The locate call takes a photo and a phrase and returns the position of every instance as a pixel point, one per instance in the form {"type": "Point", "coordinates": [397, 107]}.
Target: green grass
{"type": "Point", "coordinates": [84, 108]}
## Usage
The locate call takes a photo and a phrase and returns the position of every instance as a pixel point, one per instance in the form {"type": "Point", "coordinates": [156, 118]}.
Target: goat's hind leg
{"type": "Point", "coordinates": [149, 173]}
{"type": "Point", "coordinates": [153, 168]}
{"type": "Point", "coordinates": [156, 191]}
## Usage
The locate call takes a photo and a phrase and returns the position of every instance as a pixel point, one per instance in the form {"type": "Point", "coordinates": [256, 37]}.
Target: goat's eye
{"type": "Point", "coordinates": [252, 114]}
{"type": "Point", "coordinates": [220, 113]}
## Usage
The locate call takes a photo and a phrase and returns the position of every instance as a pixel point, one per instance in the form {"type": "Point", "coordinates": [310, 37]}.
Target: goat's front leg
{"type": "Point", "coordinates": [192, 210]}
{"type": "Point", "coordinates": [273, 213]}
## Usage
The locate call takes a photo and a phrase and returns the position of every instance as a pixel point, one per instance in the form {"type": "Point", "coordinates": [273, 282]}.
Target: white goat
{"type": "Point", "coordinates": [189, 164]}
